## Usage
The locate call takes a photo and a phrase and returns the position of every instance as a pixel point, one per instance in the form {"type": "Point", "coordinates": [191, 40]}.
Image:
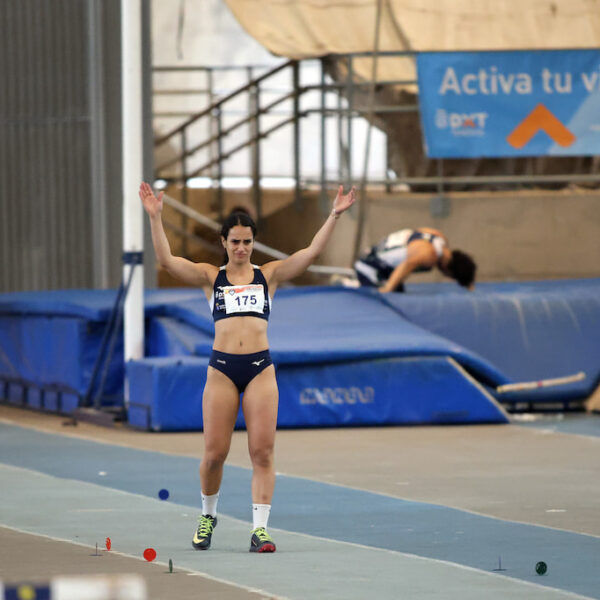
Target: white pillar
{"type": "Point", "coordinates": [133, 217]}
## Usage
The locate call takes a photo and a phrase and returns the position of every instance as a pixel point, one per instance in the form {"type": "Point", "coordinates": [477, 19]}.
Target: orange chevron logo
{"type": "Point", "coordinates": [540, 119]}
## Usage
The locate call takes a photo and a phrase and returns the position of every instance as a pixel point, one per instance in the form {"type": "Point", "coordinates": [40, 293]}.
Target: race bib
{"type": "Point", "coordinates": [244, 298]}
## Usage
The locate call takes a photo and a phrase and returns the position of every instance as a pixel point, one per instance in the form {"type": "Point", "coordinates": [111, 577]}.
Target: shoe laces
{"type": "Point", "coordinates": [262, 535]}
{"type": "Point", "coordinates": [205, 525]}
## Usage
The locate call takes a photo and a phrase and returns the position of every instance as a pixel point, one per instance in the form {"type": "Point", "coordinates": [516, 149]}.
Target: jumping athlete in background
{"type": "Point", "coordinates": [388, 264]}
{"type": "Point", "coordinates": [240, 296]}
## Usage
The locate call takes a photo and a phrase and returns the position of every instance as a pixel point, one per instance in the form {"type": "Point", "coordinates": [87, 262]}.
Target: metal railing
{"type": "Point", "coordinates": [187, 145]}
{"type": "Point", "coordinates": [177, 169]}
{"type": "Point", "coordinates": [266, 250]}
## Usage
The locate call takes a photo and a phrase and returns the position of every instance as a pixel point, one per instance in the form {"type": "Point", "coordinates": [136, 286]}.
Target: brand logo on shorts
{"type": "Point", "coordinates": [223, 362]}
{"type": "Point", "coordinates": [257, 362]}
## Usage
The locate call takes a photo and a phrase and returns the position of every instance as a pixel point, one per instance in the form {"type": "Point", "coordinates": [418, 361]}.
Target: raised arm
{"type": "Point", "coordinates": [399, 274]}
{"type": "Point", "coordinates": [294, 265]}
{"type": "Point", "coordinates": [419, 255]}
{"type": "Point", "coordinates": [198, 274]}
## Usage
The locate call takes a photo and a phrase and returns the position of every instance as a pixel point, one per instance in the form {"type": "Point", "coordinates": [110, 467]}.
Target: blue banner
{"type": "Point", "coordinates": [521, 103]}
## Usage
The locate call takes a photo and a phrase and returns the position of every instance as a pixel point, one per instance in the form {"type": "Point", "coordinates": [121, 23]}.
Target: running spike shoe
{"type": "Point", "coordinates": [206, 526]}
{"type": "Point", "coordinates": [261, 541]}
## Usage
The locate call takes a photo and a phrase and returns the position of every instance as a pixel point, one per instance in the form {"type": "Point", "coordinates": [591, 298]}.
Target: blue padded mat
{"type": "Point", "coordinates": [171, 337]}
{"type": "Point", "coordinates": [529, 331]}
{"type": "Point", "coordinates": [501, 333]}
{"type": "Point", "coordinates": [93, 305]}
{"type": "Point", "coordinates": [166, 394]}
{"type": "Point", "coordinates": [53, 339]}
{"type": "Point", "coordinates": [312, 325]}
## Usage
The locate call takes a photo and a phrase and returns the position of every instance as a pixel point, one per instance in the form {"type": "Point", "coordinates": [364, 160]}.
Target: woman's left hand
{"type": "Point", "coordinates": [343, 202]}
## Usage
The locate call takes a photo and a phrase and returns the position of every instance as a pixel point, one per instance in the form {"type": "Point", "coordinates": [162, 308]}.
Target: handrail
{"type": "Point", "coordinates": [224, 132]}
{"type": "Point", "coordinates": [225, 155]}
{"type": "Point", "coordinates": [218, 103]}
{"type": "Point", "coordinates": [170, 68]}
{"type": "Point", "coordinates": [272, 252]}
{"type": "Point", "coordinates": [450, 180]}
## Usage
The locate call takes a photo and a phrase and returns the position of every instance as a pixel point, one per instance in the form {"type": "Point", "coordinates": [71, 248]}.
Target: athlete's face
{"type": "Point", "coordinates": [239, 244]}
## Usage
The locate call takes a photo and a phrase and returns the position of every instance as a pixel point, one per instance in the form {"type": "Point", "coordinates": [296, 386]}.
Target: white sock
{"type": "Point", "coordinates": [260, 515]}
{"type": "Point", "coordinates": [209, 504]}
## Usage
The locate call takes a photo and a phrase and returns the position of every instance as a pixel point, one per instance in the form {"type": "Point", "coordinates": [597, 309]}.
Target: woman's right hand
{"type": "Point", "coordinates": [152, 205]}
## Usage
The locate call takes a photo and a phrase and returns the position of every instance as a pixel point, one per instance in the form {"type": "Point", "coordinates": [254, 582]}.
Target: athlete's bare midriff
{"type": "Point", "coordinates": [241, 335]}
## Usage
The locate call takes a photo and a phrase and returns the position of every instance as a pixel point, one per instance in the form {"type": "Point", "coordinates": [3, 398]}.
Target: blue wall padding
{"type": "Point", "coordinates": [166, 394]}
{"type": "Point", "coordinates": [529, 331]}
{"type": "Point", "coordinates": [56, 350]}
{"type": "Point", "coordinates": [34, 397]}
{"type": "Point", "coordinates": [42, 349]}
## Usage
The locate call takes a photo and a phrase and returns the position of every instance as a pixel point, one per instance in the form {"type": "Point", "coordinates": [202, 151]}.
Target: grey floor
{"type": "Point", "coordinates": [419, 512]}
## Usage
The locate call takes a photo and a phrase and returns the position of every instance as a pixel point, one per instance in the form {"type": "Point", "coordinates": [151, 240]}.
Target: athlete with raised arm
{"type": "Point", "coordinates": [240, 296]}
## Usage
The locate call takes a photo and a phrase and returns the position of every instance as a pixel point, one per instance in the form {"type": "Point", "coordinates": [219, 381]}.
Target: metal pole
{"type": "Point", "coordinates": [212, 131]}
{"type": "Point", "coordinates": [350, 94]}
{"type": "Point", "coordinates": [324, 202]}
{"type": "Point", "coordinates": [296, 85]}
{"type": "Point", "coordinates": [340, 130]}
{"type": "Point", "coordinates": [440, 174]}
{"type": "Point", "coordinates": [363, 204]}
{"type": "Point", "coordinates": [184, 189]}
{"type": "Point", "coordinates": [132, 164]}
{"type": "Point", "coordinates": [255, 149]}
{"type": "Point", "coordinates": [98, 195]}
{"type": "Point", "coordinates": [254, 108]}
{"type": "Point", "coordinates": [219, 119]}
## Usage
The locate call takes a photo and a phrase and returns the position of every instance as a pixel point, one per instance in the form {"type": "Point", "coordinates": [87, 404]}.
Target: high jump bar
{"type": "Point", "coordinates": [542, 383]}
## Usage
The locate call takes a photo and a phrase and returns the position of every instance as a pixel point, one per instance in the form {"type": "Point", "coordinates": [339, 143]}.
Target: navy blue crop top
{"type": "Point", "coordinates": [249, 300]}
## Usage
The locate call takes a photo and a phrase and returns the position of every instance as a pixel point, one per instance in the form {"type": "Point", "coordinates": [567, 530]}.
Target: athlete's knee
{"type": "Point", "coordinates": [262, 456]}
{"type": "Point", "coordinates": [213, 460]}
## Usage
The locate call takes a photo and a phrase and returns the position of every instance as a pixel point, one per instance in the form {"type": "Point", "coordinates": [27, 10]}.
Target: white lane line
{"type": "Point", "coordinates": [349, 487]}
{"type": "Point", "coordinates": [155, 562]}
{"type": "Point", "coordinates": [363, 547]}
{"type": "Point", "coordinates": [447, 506]}
{"type": "Point", "coordinates": [545, 431]}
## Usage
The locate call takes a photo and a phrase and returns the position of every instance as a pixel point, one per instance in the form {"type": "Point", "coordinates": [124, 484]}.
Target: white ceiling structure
{"type": "Point", "coordinates": [310, 28]}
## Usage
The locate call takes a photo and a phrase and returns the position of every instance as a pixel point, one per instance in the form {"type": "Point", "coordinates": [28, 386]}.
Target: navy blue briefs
{"type": "Point", "coordinates": [240, 368]}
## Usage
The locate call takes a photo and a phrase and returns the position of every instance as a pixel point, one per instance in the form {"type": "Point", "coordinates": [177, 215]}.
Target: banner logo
{"type": "Point", "coordinates": [338, 395]}
{"type": "Point", "coordinates": [540, 119]}
{"type": "Point", "coordinates": [461, 123]}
